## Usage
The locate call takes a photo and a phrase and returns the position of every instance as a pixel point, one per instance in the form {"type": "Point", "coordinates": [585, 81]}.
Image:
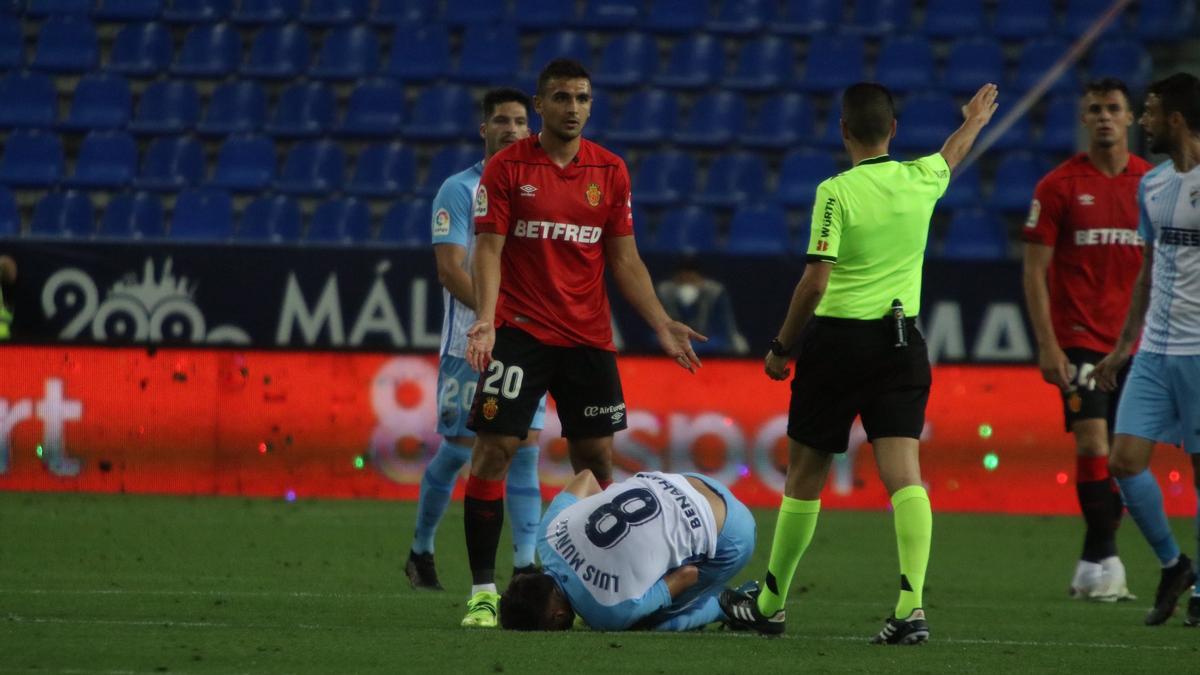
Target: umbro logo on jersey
{"type": "Point", "coordinates": [1086, 199]}
{"type": "Point", "coordinates": [528, 191]}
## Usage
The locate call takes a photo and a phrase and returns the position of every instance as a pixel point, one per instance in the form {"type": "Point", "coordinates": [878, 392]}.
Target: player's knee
{"type": "Point", "coordinates": [1121, 466]}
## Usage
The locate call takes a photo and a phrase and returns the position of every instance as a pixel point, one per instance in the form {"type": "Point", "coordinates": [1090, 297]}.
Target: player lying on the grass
{"type": "Point", "coordinates": [650, 552]}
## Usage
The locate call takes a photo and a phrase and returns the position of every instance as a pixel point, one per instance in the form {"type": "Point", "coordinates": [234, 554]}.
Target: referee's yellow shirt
{"type": "Point", "coordinates": [872, 222]}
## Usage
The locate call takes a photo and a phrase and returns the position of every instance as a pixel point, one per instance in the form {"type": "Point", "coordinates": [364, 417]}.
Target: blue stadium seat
{"type": "Point", "coordinates": [419, 52]}
{"type": "Point", "coordinates": [965, 191]}
{"type": "Point", "coordinates": [688, 231]}
{"type": "Point", "coordinates": [167, 107]}
{"type": "Point", "coordinates": [42, 8]}
{"type": "Point", "coordinates": [1060, 128]}
{"type": "Point", "coordinates": [349, 53]}
{"type": "Point", "coordinates": [807, 17]}
{"type": "Point", "coordinates": [1124, 59]}
{"type": "Point", "coordinates": [600, 120]}
{"type": "Point", "coordinates": [12, 43]}
{"type": "Point", "coordinates": [676, 16]}
{"type": "Point", "coordinates": [975, 234]}
{"type": "Point", "coordinates": [63, 214]}
{"type": "Point", "coordinates": [608, 14]}
{"type": "Point", "coordinates": [570, 44]}
{"type": "Point", "coordinates": [695, 62]}
{"type": "Point", "coordinates": [313, 168]}
{"type": "Point", "coordinates": [209, 51]}
{"type": "Point", "coordinates": [1036, 59]}
{"type": "Point", "coordinates": [303, 110]}
{"type": "Point", "coordinates": [393, 12]}
{"type": "Point", "coordinates": [27, 100]}
{"type": "Point", "coordinates": [236, 107]}
{"type": "Point", "coordinates": [196, 11]}
{"type": "Point", "coordinates": [128, 10]}
{"type": "Point", "coordinates": [66, 44]}
{"type": "Point", "coordinates": [906, 64]}
{"type": "Point", "coordinates": [1019, 136]}
{"type": "Point", "coordinates": [202, 215]}
{"type": "Point", "coordinates": [877, 18]}
{"type": "Point", "coordinates": [541, 14]}
{"type": "Point", "coordinates": [384, 171]}
{"type": "Point", "coordinates": [831, 130]}
{"type": "Point", "coordinates": [925, 121]}
{"type": "Point", "coordinates": [782, 120]}
{"type": "Point", "coordinates": [799, 175]}
{"type": "Point", "coordinates": [244, 163]}
{"type": "Point", "coordinates": [274, 219]}
{"type": "Point", "coordinates": [627, 61]}
{"type": "Point", "coordinates": [406, 224]}
{"type": "Point", "coordinates": [278, 52]}
{"type": "Point", "coordinates": [952, 18]}
{"type": "Point", "coordinates": [443, 113]}
{"type": "Point", "coordinates": [445, 162]}
{"type": "Point", "coordinates": [335, 12]}
{"type": "Point", "coordinates": [972, 63]}
{"type": "Point", "coordinates": [733, 178]}
{"type": "Point", "coordinates": [1081, 14]}
{"type": "Point", "coordinates": [1166, 20]}
{"type": "Point", "coordinates": [132, 216]}
{"type": "Point", "coordinates": [100, 101]}
{"type": "Point", "coordinates": [466, 12]}
{"type": "Point", "coordinates": [171, 163]}
{"type": "Point", "coordinates": [489, 54]}
{"type": "Point", "coordinates": [32, 159]}
{"type": "Point", "coordinates": [1016, 175]}
{"type": "Point", "coordinates": [758, 229]}
{"type": "Point", "coordinates": [1022, 19]}
{"type": "Point", "coordinates": [254, 12]}
{"type": "Point", "coordinates": [834, 62]}
{"type": "Point", "coordinates": [141, 50]}
{"type": "Point", "coordinates": [10, 218]}
{"type": "Point", "coordinates": [375, 108]}
{"type": "Point", "coordinates": [740, 17]}
{"type": "Point", "coordinates": [647, 117]}
{"type": "Point", "coordinates": [762, 65]}
{"type": "Point", "coordinates": [665, 178]}
{"type": "Point", "coordinates": [341, 221]}
{"type": "Point", "coordinates": [107, 160]}
{"type": "Point", "coordinates": [712, 120]}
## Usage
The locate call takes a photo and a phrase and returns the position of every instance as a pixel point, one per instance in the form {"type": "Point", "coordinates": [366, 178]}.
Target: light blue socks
{"type": "Point", "coordinates": [436, 486]}
{"type": "Point", "coordinates": [1144, 500]}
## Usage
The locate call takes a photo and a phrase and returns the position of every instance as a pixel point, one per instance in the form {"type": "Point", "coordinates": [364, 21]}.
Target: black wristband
{"type": "Point", "coordinates": [777, 348]}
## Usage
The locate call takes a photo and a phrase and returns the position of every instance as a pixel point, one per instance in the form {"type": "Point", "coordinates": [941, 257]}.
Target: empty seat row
{"type": "Point", "coordinates": [313, 12]}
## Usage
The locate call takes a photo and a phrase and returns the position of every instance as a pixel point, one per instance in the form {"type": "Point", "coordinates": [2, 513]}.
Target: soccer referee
{"type": "Point", "coordinates": [860, 353]}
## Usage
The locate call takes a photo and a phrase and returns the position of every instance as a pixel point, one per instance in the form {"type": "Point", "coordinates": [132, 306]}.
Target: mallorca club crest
{"type": "Point", "coordinates": [593, 194]}
{"type": "Point", "coordinates": [490, 407]}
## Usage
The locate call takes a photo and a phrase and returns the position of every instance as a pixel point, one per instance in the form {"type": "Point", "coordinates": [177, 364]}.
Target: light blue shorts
{"type": "Point", "coordinates": [456, 390]}
{"type": "Point", "coordinates": [1161, 400]}
{"type": "Point", "coordinates": [735, 545]}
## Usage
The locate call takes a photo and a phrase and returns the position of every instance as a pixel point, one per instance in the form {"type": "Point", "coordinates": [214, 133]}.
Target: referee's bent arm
{"type": "Point", "coordinates": [976, 114]}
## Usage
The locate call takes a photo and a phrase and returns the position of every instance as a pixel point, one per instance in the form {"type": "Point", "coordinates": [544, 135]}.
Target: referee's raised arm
{"type": "Point", "coordinates": [976, 115]}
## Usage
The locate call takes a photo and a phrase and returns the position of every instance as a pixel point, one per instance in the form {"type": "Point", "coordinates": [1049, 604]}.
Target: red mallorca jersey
{"type": "Point", "coordinates": [1091, 221]}
{"type": "Point", "coordinates": [555, 221]}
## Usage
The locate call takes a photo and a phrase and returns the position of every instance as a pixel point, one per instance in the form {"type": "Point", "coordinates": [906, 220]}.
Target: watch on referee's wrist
{"type": "Point", "coordinates": [777, 348]}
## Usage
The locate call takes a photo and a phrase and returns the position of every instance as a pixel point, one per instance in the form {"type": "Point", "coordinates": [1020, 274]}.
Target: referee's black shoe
{"type": "Point", "coordinates": [421, 571]}
{"type": "Point", "coordinates": [741, 612]}
{"type": "Point", "coordinates": [911, 631]}
{"type": "Point", "coordinates": [1175, 581]}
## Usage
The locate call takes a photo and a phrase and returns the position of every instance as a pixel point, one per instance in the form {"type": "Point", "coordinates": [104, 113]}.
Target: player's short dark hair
{"type": "Point", "coordinates": [1105, 85]}
{"type": "Point", "coordinates": [561, 69]}
{"type": "Point", "coordinates": [1180, 93]}
{"type": "Point", "coordinates": [868, 110]}
{"type": "Point", "coordinates": [495, 97]}
{"type": "Point", "coordinates": [523, 606]}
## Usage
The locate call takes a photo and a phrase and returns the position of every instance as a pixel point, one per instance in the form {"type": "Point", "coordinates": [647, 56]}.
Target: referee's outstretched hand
{"type": "Point", "coordinates": [676, 340]}
{"type": "Point", "coordinates": [1105, 373]}
{"type": "Point", "coordinates": [982, 105]}
{"type": "Point", "coordinates": [776, 366]}
{"type": "Point", "coordinates": [481, 337]}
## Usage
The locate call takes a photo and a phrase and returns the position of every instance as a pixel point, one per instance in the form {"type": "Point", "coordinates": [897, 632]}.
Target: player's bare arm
{"type": "Point", "coordinates": [680, 579]}
{"type": "Point", "coordinates": [805, 298]}
{"type": "Point", "coordinates": [583, 485]}
{"type": "Point", "coordinates": [976, 115]}
{"type": "Point", "coordinates": [486, 277]}
{"type": "Point", "coordinates": [1105, 373]}
{"type": "Point", "coordinates": [1052, 360]}
{"type": "Point", "coordinates": [633, 280]}
{"type": "Point", "coordinates": [451, 274]}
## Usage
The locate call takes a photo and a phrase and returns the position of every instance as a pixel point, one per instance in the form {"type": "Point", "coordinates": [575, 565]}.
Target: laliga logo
{"type": "Point", "coordinates": [149, 309]}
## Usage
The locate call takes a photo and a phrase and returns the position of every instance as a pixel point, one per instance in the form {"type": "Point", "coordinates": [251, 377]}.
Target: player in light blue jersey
{"type": "Point", "coordinates": [1161, 400]}
{"type": "Point", "coordinates": [651, 552]}
{"type": "Point", "coordinates": [505, 121]}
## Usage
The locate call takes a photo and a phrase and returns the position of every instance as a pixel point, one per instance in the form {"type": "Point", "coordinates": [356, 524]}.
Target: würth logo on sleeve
{"type": "Point", "coordinates": [593, 194]}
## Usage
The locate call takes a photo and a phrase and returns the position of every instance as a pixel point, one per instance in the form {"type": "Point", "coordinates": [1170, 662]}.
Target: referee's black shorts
{"type": "Point", "coordinates": [848, 367]}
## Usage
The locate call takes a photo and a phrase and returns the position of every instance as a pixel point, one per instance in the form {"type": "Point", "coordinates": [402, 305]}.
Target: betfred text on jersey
{"type": "Point", "coordinates": [538, 229]}
{"type": "Point", "coordinates": [1107, 235]}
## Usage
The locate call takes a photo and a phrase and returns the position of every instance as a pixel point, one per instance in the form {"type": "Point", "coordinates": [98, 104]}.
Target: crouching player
{"type": "Point", "coordinates": [651, 552]}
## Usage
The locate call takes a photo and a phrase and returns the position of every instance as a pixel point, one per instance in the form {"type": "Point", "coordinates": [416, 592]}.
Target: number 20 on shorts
{"type": "Point", "coordinates": [509, 380]}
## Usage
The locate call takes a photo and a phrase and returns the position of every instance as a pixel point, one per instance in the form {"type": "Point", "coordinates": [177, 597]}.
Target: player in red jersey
{"type": "Point", "coordinates": [551, 212]}
{"type": "Point", "coordinates": [1082, 256]}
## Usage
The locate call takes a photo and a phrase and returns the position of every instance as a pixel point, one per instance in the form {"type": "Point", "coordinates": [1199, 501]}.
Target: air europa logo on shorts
{"type": "Point", "coordinates": [538, 229]}
{"type": "Point", "coordinates": [617, 411]}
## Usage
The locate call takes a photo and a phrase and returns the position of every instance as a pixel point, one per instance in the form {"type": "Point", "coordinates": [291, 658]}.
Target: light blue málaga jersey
{"type": "Point", "coordinates": [453, 224]}
{"type": "Point", "coordinates": [1169, 206]}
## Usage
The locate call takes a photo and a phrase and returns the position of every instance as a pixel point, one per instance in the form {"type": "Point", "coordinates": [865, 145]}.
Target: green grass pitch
{"type": "Point", "coordinates": [112, 584]}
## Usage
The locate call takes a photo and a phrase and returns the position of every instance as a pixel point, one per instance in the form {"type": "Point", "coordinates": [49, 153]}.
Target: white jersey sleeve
{"type": "Point", "coordinates": [1169, 202]}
